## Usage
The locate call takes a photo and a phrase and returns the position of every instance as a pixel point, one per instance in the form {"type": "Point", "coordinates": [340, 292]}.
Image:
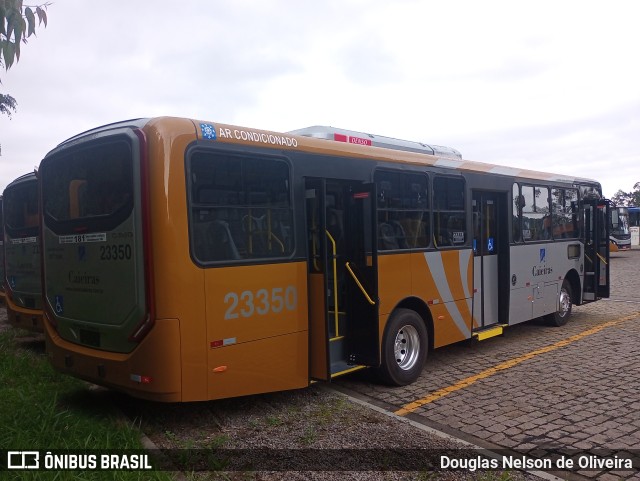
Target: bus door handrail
{"type": "Point", "coordinates": [604, 261]}
{"type": "Point", "coordinates": [334, 251]}
{"type": "Point", "coordinates": [366, 295]}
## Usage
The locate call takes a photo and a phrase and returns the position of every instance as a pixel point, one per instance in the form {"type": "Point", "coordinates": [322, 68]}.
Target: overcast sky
{"type": "Point", "coordinates": [547, 85]}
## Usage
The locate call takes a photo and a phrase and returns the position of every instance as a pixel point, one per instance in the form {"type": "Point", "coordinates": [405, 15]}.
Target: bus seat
{"type": "Point", "coordinates": [223, 241]}
{"type": "Point", "coordinates": [401, 237]}
{"type": "Point", "coordinates": [387, 239]}
{"type": "Point", "coordinates": [213, 242]}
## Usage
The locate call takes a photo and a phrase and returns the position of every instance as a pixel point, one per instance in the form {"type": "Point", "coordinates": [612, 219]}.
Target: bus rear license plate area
{"type": "Point", "coordinates": [89, 338]}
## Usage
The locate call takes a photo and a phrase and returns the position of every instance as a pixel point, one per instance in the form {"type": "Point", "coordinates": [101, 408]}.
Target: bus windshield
{"type": "Point", "coordinates": [619, 221]}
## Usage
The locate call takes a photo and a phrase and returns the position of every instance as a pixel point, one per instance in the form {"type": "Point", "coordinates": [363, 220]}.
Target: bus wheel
{"type": "Point", "coordinates": [561, 316]}
{"type": "Point", "coordinates": [404, 348]}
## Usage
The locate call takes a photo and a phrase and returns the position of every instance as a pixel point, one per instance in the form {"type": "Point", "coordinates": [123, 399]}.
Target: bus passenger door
{"type": "Point", "coordinates": [490, 248]}
{"type": "Point", "coordinates": [362, 276]}
{"type": "Point", "coordinates": [343, 329]}
{"type": "Point", "coordinates": [319, 290]}
{"type": "Point", "coordinates": [596, 249]}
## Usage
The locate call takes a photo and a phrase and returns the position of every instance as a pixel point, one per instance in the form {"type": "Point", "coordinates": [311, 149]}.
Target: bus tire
{"type": "Point", "coordinates": [562, 314]}
{"type": "Point", "coordinates": [404, 348]}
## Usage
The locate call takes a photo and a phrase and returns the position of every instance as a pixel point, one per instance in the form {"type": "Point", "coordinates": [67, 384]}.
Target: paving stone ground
{"type": "Point", "coordinates": [582, 398]}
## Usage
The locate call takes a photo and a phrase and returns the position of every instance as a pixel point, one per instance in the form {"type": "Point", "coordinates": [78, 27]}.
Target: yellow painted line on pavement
{"type": "Point", "coordinates": [440, 393]}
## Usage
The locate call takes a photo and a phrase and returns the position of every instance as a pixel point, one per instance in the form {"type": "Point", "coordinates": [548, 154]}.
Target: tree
{"type": "Point", "coordinates": [7, 104]}
{"type": "Point", "coordinates": [636, 195]}
{"type": "Point", "coordinates": [622, 198]}
{"type": "Point", "coordinates": [17, 23]}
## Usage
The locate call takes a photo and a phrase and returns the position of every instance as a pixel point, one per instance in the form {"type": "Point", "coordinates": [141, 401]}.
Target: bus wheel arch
{"type": "Point", "coordinates": [405, 344]}
{"type": "Point", "coordinates": [573, 278]}
{"type": "Point", "coordinates": [566, 299]}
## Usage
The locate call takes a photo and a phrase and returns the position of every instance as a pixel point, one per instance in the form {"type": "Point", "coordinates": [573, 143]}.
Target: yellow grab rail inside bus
{"type": "Point", "coordinates": [604, 261]}
{"type": "Point", "coordinates": [359, 284]}
{"type": "Point", "coordinates": [335, 281]}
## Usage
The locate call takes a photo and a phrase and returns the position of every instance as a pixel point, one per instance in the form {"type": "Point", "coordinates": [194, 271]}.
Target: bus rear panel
{"type": "Point", "coordinates": [22, 253]}
{"type": "Point", "coordinates": [94, 257]}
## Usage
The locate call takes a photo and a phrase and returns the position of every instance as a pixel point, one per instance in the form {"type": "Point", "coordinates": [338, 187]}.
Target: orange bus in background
{"type": "Point", "coordinates": [22, 273]}
{"type": "Point", "coordinates": [186, 260]}
{"type": "Point", "coordinates": [3, 301]}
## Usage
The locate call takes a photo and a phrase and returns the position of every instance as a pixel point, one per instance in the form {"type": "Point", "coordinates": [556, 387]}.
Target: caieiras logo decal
{"type": "Point", "coordinates": [541, 269]}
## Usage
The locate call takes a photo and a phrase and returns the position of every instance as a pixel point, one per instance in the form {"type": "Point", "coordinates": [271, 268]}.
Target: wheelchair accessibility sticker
{"type": "Point", "coordinates": [490, 244]}
{"type": "Point", "coordinates": [59, 304]}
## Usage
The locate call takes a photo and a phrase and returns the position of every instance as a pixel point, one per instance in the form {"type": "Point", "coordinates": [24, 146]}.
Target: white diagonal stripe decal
{"type": "Point", "coordinates": [434, 262]}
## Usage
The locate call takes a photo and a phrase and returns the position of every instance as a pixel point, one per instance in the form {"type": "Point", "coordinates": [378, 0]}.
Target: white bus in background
{"type": "Point", "coordinates": [620, 235]}
{"type": "Point", "coordinates": [634, 225]}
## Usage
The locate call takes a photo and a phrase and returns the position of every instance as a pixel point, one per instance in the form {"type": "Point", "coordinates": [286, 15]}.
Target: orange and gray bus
{"type": "Point", "coordinates": [3, 301]}
{"type": "Point", "coordinates": [22, 276]}
{"type": "Point", "coordinates": [187, 260]}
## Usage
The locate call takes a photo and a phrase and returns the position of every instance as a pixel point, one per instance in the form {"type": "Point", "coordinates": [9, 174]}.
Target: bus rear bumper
{"type": "Point", "coordinates": [23, 318]}
{"type": "Point", "coordinates": [151, 371]}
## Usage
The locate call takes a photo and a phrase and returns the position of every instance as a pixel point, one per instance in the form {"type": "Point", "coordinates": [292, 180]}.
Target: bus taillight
{"type": "Point", "coordinates": [141, 379]}
{"type": "Point", "coordinates": [145, 326]}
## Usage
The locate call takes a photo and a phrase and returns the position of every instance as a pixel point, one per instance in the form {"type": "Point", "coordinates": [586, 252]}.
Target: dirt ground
{"type": "Point", "coordinates": [315, 427]}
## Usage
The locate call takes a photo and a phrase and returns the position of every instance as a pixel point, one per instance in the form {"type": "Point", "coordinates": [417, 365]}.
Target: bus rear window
{"type": "Point", "coordinates": [21, 206]}
{"type": "Point", "coordinates": [95, 182]}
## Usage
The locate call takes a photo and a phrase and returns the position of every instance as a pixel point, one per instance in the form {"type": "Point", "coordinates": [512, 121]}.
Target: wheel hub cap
{"type": "Point", "coordinates": [407, 347]}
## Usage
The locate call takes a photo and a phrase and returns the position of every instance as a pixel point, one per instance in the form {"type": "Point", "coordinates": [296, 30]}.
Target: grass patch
{"type": "Point", "coordinates": [41, 409]}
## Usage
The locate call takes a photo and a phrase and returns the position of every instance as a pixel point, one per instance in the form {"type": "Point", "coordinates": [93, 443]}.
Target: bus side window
{"type": "Point", "coordinates": [240, 207]}
{"type": "Point", "coordinates": [565, 214]}
{"type": "Point", "coordinates": [571, 226]}
{"type": "Point", "coordinates": [403, 204]}
{"type": "Point", "coordinates": [535, 212]}
{"type": "Point", "coordinates": [449, 216]}
{"type": "Point", "coordinates": [518, 203]}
